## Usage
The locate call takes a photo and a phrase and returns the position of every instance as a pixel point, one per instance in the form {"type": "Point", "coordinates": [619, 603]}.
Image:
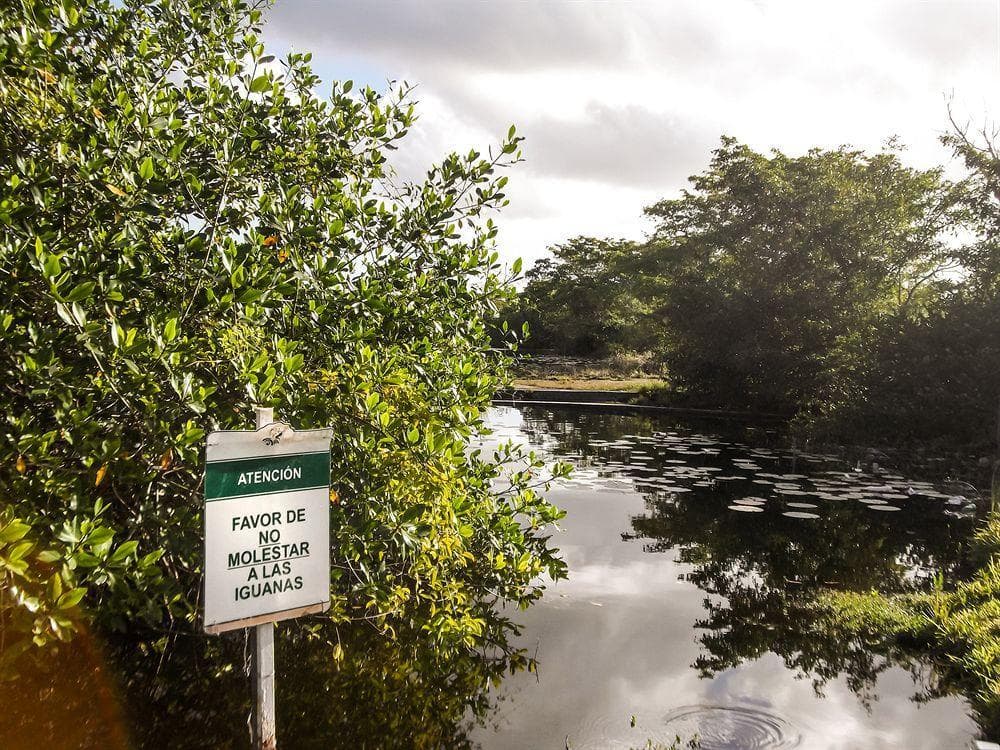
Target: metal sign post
{"type": "Point", "coordinates": [267, 540]}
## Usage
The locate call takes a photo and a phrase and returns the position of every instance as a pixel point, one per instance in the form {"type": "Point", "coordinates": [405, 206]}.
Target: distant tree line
{"type": "Point", "coordinates": [840, 287]}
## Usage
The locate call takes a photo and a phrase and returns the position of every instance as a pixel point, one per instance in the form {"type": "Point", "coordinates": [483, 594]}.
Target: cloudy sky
{"type": "Point", "coordinates": [620, 102]}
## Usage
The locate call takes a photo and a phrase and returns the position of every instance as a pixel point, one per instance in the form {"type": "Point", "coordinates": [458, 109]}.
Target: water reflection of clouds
{"type": "Point", "coordinates": [635, 579]}
{"type": "Point", "coordinates": [618, 639]}
{"type": "Point", "coordinates": [836, 721]}
{"type": "Point", "coordinates": [602, 665]}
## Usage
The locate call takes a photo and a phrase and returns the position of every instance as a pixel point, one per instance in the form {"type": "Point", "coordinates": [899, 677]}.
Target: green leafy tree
{"type": "Point", "coordinates": [980, 256]}
{"type": "Point", "coordinates": [187, 228]}
{"type": "Point", "coordinates": [580, 300]}
{"type": "Point", "coordinates": [932, 380]}
{"type": "Point", "coordinates": [770, 268]}
{"type": "Point", "coordinates": [933, 377]}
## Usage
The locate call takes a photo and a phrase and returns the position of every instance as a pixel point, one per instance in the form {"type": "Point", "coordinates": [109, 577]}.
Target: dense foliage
{"type": "Point", "coordinates": [343, 685]}
{"type": "Point", "coordinates": [931, 378]}
{"type": "Point", "coordinates": [771, 268]}
{"type": "Point", "coordinates": [580, 301]}
{"type": "Point", "coordinates": [953, 358]}
{"type": "Point", "coordinates": [187, 228]}
{"type": "Point", "coordinates": [844, 288]}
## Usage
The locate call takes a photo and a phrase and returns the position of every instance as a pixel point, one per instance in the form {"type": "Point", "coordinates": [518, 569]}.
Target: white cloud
{"type": "Point", "coordinates": [620, 102]}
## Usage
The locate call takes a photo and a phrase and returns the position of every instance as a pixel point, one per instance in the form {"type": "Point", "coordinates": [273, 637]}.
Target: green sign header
{"type": "Point", "coordinates": [265, 475]}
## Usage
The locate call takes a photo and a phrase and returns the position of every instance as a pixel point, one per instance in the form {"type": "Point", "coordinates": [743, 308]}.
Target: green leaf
{"type": "Point", "coordinates": [19, 551]}
{"type": "Point", "coordinates": [123, 551]}
{"type": "Point", "coordinates": [100, 535]}
{"type": "Point", "coordinates": [412, 513]}
{"type": "Point", "coordinates": [237, 276]}
{"type": "Point", "coordinates": [71, 598]}
{"type": "Point", "coordinates": [52, 267]}
{"type": "Point", "coordinates": [151, 559]}
{"type": "Point", "coordinates": [13, 531]}
{"type": "Point", "coordinates": [170, 329]}
{"type": "Point", "coordinates": [81, 291]}
{"type": "Point", "coordinates": [55, 586]}
{"type": "Point", "coordinates": [85, 560]}
{"type": "Point", "coordinates": [69, 534]}
{"type": "Point", "coordinates": [146, 168]}
{"type": "Point", "coordinates": [260, 83]}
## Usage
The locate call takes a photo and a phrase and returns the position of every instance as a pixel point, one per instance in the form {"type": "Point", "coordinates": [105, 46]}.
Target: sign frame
{"type": "Point", "coordinates": [273, 442]}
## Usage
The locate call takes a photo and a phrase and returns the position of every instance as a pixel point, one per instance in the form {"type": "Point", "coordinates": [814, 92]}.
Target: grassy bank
{"type": "Point", "coordinates": [957, 626]}
{"type": "Point", "coordinates": [628, 385]}
{"type": "Point", "coordinates": [623, 372]}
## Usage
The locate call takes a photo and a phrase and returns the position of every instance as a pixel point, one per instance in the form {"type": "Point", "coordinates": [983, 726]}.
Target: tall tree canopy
{"type": "Point", "coordinates": [579, 301]}
{"type": "Point", "coordinates": [936, 375]}
{"type": "Point", "coordinates": [771, 267]}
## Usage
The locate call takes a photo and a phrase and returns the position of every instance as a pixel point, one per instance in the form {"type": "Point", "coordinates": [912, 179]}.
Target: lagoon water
{"type": "Point", "coordinates": [687, 552]}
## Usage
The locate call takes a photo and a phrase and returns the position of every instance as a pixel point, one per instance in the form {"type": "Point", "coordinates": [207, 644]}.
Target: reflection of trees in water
{"type": "Point", "coordinates": [380, 694]}
{"type": "Point", "coordinates": [568, 431]}
{"type": "Point", "coordinates": [390, 694]}
{"type": "Point", "coordinates": [572, 430]}
{"type": "Point", "coordinates": [849, 545]}
{"type": "Point", "coordinates": [763, 570]}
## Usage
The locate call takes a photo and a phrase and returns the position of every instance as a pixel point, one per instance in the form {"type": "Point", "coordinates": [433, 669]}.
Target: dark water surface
{"type": "Point", "coordinates": [686, 551]}
{"type": "Point", "coordinates": [689, 549]}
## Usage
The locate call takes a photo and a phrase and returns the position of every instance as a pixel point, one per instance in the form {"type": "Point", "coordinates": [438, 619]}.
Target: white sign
{"type": "Point", "coordinates": [267, 526]}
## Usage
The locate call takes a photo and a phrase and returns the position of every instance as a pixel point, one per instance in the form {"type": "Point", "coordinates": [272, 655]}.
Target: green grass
{"type": "Point", "coordinates": [572, 383]}
{"type": "Point", "coordinates": [627, 372]}
{"type": "Point", "coordinates": [959, 629]}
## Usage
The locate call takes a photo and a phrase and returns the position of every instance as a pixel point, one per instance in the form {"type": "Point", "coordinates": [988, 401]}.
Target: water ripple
{"type": "Point", "coordinates": [732, 728]}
